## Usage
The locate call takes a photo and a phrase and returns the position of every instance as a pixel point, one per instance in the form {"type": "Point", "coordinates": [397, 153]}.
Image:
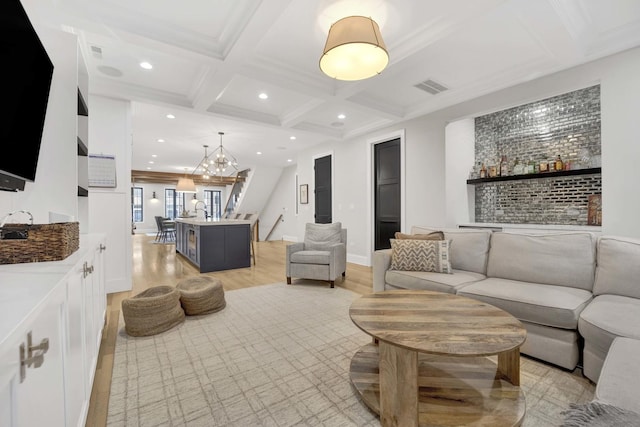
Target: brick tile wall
{"type": "Point", "coordinates": [567, 125]}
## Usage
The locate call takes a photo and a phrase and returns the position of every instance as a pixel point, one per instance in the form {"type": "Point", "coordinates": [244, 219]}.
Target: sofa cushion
{"type": "Point", "coordinates": [311, 257]}
{"type": "Point", "coordinates": [609, 316]}
{"type": "Point", "coordinates": [436, 235]}
{"type": "Point", "coordinates": [420, 255]}
{"type": "Point", "coordinates": [564, 259]}
{"type": "Point", "coordinates": [549, 305]}
{"type": "Point", "coordinates": [620, 375]}
{"type": "Point", "coordinates": [431, 281]}
{"type": "Point", "coordinates": [618, 267]}
{"type": "Point", "coordinates": [469, 248]}
{"type": "Point", "coordinates": [319, 236]}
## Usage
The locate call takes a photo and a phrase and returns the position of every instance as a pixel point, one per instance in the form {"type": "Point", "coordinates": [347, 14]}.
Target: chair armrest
{"type": "Point", "coordinates": [381, 263]}
{"type": "Point", "coordinates": [292, 248]}
{"type": "Point", "coordinates": [338, 263]}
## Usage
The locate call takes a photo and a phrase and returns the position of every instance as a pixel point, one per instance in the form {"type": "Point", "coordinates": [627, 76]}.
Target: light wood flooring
{"type": "Point", "coordinates": [158, 264]}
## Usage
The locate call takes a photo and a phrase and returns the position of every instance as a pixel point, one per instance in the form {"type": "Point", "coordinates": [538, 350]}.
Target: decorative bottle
{"type": "Point", "coordinates": [559, 163]}
{"type": "Point", "coordinates": [504, 166]}
{"type": "Point", "coordinates": [517, 167]}
{"type": "Point", "coordinates": [531, 168]}
{"type": "Point", "coordinates": [483, 171]}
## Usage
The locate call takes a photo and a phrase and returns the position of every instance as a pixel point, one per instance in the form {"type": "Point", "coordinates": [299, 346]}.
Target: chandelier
{"type": "Point", "coordinates": [219, 163]}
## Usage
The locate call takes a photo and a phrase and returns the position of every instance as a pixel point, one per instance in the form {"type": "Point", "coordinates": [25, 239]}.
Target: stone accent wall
{"type": "Point", "coordinates": [568, 125]}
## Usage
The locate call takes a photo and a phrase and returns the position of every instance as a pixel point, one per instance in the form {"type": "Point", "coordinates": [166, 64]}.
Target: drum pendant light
{"type": "Point", "coordinates": [354, 50]}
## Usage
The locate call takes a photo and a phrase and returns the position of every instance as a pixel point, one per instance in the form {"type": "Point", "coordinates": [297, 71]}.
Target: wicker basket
{"type": "Point", "coordinates": [44, 242]}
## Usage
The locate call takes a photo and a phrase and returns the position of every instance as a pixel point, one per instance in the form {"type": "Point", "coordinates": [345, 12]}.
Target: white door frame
{"type": "Point", "coordinates": [371, 142]}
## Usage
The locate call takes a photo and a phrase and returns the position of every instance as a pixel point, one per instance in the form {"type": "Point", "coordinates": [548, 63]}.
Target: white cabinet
{"type": "Point", "coordinates": [57, 307]}
{"type": "Point", "coordinates": [32, 364]}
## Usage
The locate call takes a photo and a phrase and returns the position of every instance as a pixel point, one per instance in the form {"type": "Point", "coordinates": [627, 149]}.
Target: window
{"type": "Point", "coordinates": [212, 200]}
{"type": "Point", "coordinates": [174, 203]}
{"type": "Point", "coordinates": [136, 204]}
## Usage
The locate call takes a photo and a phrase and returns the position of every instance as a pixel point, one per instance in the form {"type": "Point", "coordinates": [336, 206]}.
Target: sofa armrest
{"type": "Point", "coordinates": [381, 263]}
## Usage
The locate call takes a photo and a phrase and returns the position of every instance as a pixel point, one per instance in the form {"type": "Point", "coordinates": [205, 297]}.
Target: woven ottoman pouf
{"type": "Point", "coordinates": [152, 311]}
{"type": "Point", "coordinates": [201, 295]}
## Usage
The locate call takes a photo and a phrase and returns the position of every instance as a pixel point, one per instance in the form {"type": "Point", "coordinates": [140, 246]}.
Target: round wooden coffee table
{"type": "Point", "coordinates": [428, 366]}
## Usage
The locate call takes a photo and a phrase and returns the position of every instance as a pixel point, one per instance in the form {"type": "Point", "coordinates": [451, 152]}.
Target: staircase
{"type": "Point", "coordinates": [236, 190]}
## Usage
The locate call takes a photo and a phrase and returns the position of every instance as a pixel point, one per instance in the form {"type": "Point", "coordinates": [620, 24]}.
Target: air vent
{"type": "Point", "coordinates": [96, 51]}
{"type": "Point", "coordinates": [430, 86]}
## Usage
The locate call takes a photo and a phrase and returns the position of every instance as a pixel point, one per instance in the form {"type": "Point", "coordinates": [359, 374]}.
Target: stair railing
{"type": "Point", "coordinates": [274, 227]}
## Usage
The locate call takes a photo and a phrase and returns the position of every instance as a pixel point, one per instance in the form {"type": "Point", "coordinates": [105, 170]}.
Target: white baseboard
{"type": "Point", "coordinates": [358, 259]}
{"type": "Point", "coordinates": [290, 238]}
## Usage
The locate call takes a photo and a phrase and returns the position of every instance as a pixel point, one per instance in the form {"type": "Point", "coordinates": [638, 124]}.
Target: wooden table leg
{"type": "Point", "coordinates": [398, 386]}
{"type": "Point", "coordinates": [509, 365]}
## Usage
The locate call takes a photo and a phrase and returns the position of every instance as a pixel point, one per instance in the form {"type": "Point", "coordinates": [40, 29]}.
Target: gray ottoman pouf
{"type": "Point", "coordinates": [152, 311]}
{"type": "Point", "coordinates": [201, 295]}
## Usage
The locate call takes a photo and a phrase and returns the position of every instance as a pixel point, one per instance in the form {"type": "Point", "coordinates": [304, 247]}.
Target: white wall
{"type": "Point", "coordinates": [55, 185]}
{"type": "Point", "coordinates": [620, 98]}
{"type": "Point", "coordinates": [110, 208]}
{"type": "Point", "coordinates": [460, 142]}
{"type": "Point", "coordinates": [257, 188]}
{"type": "Point", "coordinates": [282, 200]}
{"type": "Point", "coordinates": [352, 203]}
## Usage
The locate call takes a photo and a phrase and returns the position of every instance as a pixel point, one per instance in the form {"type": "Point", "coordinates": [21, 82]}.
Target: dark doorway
{"type": "Point", "coordinates": [387, 192]}
{"type": "Point", "coordinates": [322, 191]}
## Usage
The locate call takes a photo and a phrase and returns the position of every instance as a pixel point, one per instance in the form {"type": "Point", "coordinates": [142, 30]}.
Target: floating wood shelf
{"type": "Point", "coordinates": [588, 171]}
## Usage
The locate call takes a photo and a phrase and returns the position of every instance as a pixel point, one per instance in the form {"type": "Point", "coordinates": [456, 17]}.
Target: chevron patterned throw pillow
{"type": "Point", "coordinates": [420, 255]}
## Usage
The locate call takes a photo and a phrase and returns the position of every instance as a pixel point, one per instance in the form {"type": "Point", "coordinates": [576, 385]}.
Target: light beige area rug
{"type": "Point", "coordinates": [277, 355]}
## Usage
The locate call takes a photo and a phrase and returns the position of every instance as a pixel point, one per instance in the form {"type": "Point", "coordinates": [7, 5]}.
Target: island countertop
{"type": "Point", "coordinates": [199, 221]}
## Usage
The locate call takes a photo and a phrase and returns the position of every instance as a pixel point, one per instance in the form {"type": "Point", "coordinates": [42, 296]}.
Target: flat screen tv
{"type": "Point", "coordinates": [26, 75]}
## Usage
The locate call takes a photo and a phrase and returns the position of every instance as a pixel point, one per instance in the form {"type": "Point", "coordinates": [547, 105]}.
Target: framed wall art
{"type": "Point", "coordinates": [304, 194]}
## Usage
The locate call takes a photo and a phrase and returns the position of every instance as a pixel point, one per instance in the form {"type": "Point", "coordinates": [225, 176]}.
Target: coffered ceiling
{"type": "Point", "coordinates": [212, 58]}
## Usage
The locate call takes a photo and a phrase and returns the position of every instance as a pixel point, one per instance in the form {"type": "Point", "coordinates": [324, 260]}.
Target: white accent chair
{"type": "Point", "coordinates": [322, 255]}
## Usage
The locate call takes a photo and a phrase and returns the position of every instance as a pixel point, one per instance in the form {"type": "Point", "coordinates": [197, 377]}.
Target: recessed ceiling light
{"type": "Point", "coordinates": [259, 153]}
{"type": "Point", "coordinates": [146, 65]}
{"type": "Point", "coordinates": [292, 137]}
{"type": "Point", "coordinates": [289, 160]}
{"type": "Point", "coordinates": [150, 162]}
{"type": "Point", "coordinates": [154, 155]}
{"type": "Point", "coordinates": [160, 140]}
{"type": "Point", "coordinates": [341, 116]}
{"type": "Point", "coordinates": [148, 168]}
{"type": "Point", "coordinates": [170, 116]}
{"type": "Point", "coordinates": [263, 96]}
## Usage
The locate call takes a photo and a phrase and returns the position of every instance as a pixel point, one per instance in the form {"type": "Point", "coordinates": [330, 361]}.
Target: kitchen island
{"type": "Point", "coordinates": [214, 245]}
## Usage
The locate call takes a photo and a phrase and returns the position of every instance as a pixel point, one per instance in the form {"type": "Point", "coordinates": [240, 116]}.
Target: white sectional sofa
{"type": "Point", "coordinates": [615, 309]}
{"type": "Point", "coordinates": [547, 281]}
